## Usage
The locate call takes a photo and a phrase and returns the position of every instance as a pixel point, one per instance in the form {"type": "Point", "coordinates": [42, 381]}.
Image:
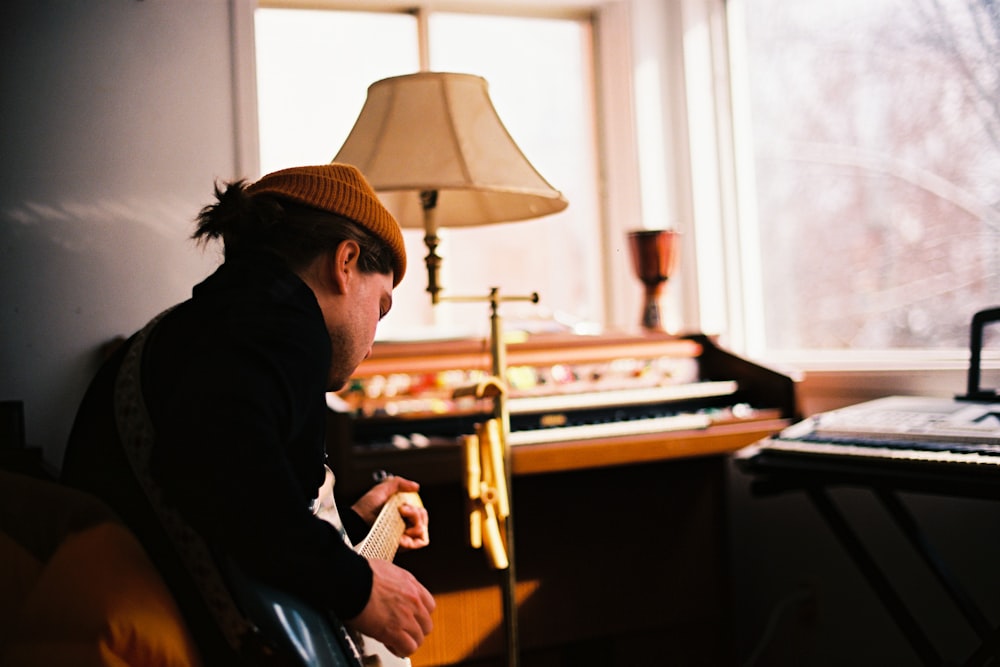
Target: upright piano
{"type": "Point", "coordinates": [575, 402]}
{"type": "Point", "coordinates": [618, 449]}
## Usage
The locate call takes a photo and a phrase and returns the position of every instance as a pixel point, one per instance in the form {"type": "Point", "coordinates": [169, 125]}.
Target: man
{"type": "Point", "coordinates": [206, 430]}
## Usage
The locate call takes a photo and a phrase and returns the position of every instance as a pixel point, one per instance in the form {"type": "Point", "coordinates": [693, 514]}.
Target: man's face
{"type": "Point", "coordinates": [352, 331]}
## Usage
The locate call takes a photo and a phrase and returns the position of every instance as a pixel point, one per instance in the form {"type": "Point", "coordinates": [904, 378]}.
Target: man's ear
{"type": "Point", "coordinates": [344, 264]}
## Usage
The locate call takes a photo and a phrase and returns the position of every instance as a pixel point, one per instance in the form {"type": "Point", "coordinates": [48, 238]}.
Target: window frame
{"type": "Point", "coordinates": [424, 13]}
{"type": "Point", "coordinates": [718, 296]}
{"type": "Point", "coordinates": [830, 378]}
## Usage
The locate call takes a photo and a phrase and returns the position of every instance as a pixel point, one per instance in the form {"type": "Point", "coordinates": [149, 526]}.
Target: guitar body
{"type": "Point", "coordinates": [312, 637]}
{"type": "Point", "coordinates": [300, 633]}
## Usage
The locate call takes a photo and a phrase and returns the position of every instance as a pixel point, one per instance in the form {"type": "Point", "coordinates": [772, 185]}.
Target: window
{"type": "Point", "coordinates": [832, 165]}
{"type": "Point", "coordinates": [872, 195]}
{"type": "Point", "coordinates": [314, 68]}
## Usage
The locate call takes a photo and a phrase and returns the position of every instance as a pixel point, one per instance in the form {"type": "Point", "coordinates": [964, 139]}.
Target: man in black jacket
{"type": "Point", "coordinates": [205, 431]}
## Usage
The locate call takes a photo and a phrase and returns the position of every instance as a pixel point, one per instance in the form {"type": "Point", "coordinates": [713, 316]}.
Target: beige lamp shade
{"type": "Point", "coordinates": [438, 133]}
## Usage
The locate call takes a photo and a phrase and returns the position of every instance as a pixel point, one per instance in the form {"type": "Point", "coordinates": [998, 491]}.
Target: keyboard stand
{"type": "Point", "coordinates": [816, 485]}
{"type": "Point", "coordinates": [814, 474]}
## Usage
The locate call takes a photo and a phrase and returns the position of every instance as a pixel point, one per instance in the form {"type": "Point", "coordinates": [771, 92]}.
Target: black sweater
{"type": "Point", "coordinates": [234, 381]}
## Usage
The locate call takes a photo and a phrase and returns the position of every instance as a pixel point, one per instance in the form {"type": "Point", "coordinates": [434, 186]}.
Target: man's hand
{"type": "Point", "coordinates": [398, 612]}
{"type": "Point", "coordinates": [417, 520]}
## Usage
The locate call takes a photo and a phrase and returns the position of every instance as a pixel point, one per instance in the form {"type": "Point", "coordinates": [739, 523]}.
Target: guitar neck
{"type": "Point", "coordinates": [382, 540]}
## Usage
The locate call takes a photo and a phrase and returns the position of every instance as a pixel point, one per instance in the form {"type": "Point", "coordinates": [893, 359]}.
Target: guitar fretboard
{"type": "Point", "coordinates": [383, 538]}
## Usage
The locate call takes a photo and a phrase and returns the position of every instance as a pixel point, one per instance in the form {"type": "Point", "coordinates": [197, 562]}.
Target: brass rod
{"type": "Point", "coordinates": [498, 350]}
{"type": "Point", "coordinates": [498, 359]}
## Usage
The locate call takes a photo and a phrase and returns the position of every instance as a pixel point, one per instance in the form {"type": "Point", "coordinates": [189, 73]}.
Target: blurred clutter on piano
{"type": "Point", "coordinates": [636, 392]}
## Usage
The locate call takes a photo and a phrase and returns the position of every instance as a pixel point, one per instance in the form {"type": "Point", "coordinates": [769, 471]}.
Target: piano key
{"type": "Point", "coordinates": [883, 452]}
{"type": "Point", "coordinates": [621, 397]}
{"type": "Point", "coordinates": [678, 422]}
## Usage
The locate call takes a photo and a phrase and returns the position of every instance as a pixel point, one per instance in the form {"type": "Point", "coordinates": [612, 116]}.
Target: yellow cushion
{"type": "Point", "coordinates": [20, 569]}
{"type": "Point", "coordinates": [99, 601]}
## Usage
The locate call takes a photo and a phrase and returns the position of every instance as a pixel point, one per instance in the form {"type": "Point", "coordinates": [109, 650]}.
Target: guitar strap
{"type": "Point", "coordinates": [311, 632]}
{"type": "Point", "coordinates": [136, 432]}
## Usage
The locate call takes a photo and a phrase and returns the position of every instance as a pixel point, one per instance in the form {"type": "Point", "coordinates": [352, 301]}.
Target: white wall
{"type": "Point", "coordinates": [117, 116]}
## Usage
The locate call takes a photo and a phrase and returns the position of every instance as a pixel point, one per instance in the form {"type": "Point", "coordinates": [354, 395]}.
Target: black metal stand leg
{"type": "Point", "coordinates": [876, 578]}
{"type": "Point", "coordinates": [987, 654]}
{"type": "Point", "coordinates": [904, 519]}
{"type": "Point", "coordinates": [509, 591]}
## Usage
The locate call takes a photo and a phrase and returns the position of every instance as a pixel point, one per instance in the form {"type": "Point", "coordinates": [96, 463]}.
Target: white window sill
{"type": "Point", "coordinates": [830, 380]}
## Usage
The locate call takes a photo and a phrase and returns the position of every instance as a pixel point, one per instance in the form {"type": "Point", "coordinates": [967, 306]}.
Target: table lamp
{"type": "Point", "coordinates": [434, 148]}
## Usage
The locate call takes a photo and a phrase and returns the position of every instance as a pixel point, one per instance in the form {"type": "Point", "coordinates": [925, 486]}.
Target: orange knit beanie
{"type": "Point", "coordinates": [339, 189]}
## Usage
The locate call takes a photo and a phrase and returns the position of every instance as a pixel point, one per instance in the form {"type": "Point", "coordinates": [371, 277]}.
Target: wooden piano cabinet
{"type": "Point", "coordinates": [442, 463]}
{"type": "Point", "coordinates": [619, 541]}
{"type": "Point", "coordinates": [618, 566]}
{"type": "Point", "coordinates": [772, 395]}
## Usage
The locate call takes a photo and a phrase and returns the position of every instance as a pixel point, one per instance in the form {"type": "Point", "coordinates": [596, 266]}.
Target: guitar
{"type": "Point", "coordinates": [381, 543]}
{"type": "Point", "coordinates": [309, 636]}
